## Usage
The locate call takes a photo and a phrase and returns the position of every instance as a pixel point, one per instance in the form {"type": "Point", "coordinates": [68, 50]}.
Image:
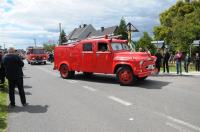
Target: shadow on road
{"type": "Point", "coordinates": [26, 93]}
{"type": "Point", "coordinates": [29, 109]}
{"type": "Point", "coordinates": [148, 84]}
{"type": "Point", "coordinates": [97, 78]}
{"type": "Point", "coordinates": [151, 84]}
{"type": "Point", "coordinates": [27, 86]}
{"type": "Point", "coordinates": [25, 77]}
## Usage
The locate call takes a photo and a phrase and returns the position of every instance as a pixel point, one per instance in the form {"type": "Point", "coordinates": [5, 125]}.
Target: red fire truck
{"type": "Point", "coordinates": [36, 55]}
{"type": "Point", "coordinates": [104, 55]}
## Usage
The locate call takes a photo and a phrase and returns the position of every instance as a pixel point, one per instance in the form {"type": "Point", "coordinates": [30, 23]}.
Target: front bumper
{"type": "Point", "coordinates": [147, 73]}
{"type": "Point", "coordinates": [38, 61]}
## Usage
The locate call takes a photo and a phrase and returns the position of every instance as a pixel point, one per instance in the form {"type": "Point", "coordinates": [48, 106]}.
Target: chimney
{"type": "Point", "coordinates": [84, 25]}
{"type": "Point", "coordinates": [102, 29]}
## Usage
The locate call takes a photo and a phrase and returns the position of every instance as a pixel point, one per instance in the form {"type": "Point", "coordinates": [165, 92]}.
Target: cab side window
{"type": "Point", "coordinates": [102, 47]}
{"type": "Point", "coordinates": [87, 47]}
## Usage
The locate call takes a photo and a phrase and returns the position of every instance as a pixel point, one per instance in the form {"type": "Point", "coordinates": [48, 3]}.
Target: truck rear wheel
{"type": "Point", "coordinates": [125, 76]}
{"type": "Point", "coordinates": [65, 73]}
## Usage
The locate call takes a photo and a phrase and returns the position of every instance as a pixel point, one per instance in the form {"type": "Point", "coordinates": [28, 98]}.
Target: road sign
{"type": "Point", "coordinates": [159, 44]}
{"type": "Point", "coordinates": [196, 42]}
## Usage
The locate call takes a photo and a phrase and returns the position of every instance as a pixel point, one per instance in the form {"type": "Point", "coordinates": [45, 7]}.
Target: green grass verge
{"type": "Point", "coordinates": [172, 68]}
{"type": "Point", "coordinates": [3, 107]}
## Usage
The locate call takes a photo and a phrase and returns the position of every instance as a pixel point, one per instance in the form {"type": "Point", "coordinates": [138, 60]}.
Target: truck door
{"type": "Point", "coordinates": [87, 57]}
{"type": "Point", "coordinates": [103, 58]}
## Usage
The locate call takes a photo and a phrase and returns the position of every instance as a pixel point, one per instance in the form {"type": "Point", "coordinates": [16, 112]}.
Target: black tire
{"type": "Point", "coordinates": [88, 74]}
{"type": "Point", "coordinates": [65, 73]}
{"type": "Point", "coordinates": [125, 76]}
{"type": "Point", "coordinates": [45, 63]}
{"type": "Point", "coordinates": [28, 62]}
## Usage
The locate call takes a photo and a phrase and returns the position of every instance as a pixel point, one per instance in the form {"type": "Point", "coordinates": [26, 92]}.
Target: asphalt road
{"type": "Point", "coordinates": [165, 103]}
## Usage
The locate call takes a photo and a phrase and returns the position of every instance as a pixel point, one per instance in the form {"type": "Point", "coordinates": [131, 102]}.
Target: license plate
{"type": "Point", "coordinates": [150, 67]}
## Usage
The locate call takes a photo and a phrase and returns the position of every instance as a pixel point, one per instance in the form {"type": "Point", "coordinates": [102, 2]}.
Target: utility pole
{"type": "Point", "coordinates": [130, 29]}
{"type": "Point", "coordinates": [34, 41]}
{"type": "Point", "coordinates": [60, 33]}
{"type": "Point", "coordinates": [4, 46]}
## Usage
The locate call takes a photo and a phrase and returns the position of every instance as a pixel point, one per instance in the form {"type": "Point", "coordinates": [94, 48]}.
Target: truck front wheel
{"type": "Point", "coordinates": [125, 76]}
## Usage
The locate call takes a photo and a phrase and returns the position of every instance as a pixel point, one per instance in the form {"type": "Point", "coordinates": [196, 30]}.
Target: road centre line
{"type": "Point", "coordinates": [89, 88]}
{"type": "Point", "coordinates": [179, 128]}
{"type": "Point", "coordinates": [184, 123]}
{"type": "Point", "coordinates": [119, 101]}
{"type": "Point", "coordinates": [178, 121]}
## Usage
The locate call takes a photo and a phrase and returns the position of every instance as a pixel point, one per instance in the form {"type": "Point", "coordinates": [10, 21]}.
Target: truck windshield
{"type": "Point", "coordinates": [120, 46]}
{"type": "Point", "coordinates": [38, 51]}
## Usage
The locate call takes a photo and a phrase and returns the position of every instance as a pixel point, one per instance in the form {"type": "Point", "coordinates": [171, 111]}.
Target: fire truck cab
{"type": "Point", "coordinates": [36, 55]}
{"type": "Point", "coordinates": [108, 56]}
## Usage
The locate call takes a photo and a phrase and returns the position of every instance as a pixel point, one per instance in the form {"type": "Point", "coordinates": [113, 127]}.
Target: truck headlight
{"type": "Point", "coordinates": [141, 62]}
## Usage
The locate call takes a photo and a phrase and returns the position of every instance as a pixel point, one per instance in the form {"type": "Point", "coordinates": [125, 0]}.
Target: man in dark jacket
{"type": "Point", "coordinates": [2, 71]}
{"type": "Point", "coordinates": [165, 61]}
{"type": "Point", "coordinates": [13, 69]}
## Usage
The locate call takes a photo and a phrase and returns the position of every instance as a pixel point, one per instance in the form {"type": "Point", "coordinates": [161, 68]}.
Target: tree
{"type": "Point", "coordinates": [63, 38]}
{"type": "Point", "coordinates": [49, 47]}
{"type": "Point", "coordinates": [122, 30]}
{"type": "Point", "coordinates": [180, 25]}
{"type": "Point", "coordinates": [145, 43]}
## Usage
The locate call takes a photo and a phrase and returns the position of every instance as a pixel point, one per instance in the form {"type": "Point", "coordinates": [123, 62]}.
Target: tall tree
{"type": "Point", "coordinates": [145, 43]}
{"type": "Point", "coordinates": [63, 38]}
{"type": "Point", "coordinates": [180, 25]}
{"type": "Point", "coordinates": [49, 47]}
{"type": "Point", "coordinates": [122, 30]}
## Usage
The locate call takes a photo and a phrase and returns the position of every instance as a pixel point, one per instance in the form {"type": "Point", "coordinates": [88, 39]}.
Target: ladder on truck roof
{"type": "Point", "coordinates": [96, 37]}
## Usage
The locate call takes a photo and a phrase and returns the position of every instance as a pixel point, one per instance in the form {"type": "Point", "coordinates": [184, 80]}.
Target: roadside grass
{"type": "Point", "coordinates": [3, 107]}
{"type": "Point", "coordinates": [172, 67]}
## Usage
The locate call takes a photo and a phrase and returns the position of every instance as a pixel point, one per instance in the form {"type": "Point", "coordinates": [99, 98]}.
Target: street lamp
{"type": "Point", "coordinates": [130, 29]}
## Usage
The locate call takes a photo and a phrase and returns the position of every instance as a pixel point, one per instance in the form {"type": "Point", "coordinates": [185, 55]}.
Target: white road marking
{"type": "Point", "coordinates": [184, 123]}
{"type": "Point", "coordinates": [179, 128]}
{"type": "Point", "coordinates": [178, 121]}
{"type": "Point", "coordinates": [72, 81]}
{"type": "Point", "coordinates": [120, 101]}
{"type": "Point", "coordinates": [89, 88]}
{"type": "Point", "coordinates": [131, 119]}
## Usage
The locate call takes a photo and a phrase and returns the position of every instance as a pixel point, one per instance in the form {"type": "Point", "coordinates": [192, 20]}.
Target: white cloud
{"type": "Point", "coordinates": [40, 18]}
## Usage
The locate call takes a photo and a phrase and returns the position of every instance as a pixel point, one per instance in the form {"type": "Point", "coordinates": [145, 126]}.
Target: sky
{"type": "Point", "coordinates": [23, 20]}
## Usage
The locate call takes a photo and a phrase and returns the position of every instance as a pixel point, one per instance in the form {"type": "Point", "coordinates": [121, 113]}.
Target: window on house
{"type": "Point", "coordinates": [87, 47]}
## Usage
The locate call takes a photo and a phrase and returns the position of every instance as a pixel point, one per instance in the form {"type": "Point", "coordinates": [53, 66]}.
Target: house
{"type": "Point", "coordinates": [104, 31]}
{"type": "Point", "coordinates": [88, 31]}
{"type": "Point", "coordinates": [80, 33]}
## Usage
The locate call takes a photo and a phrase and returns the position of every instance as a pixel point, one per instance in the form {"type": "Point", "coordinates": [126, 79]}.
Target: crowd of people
{"type": "Point", "coordinates": [11, 67]}
{"type": "Point", "coordinates": [164, 57]}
